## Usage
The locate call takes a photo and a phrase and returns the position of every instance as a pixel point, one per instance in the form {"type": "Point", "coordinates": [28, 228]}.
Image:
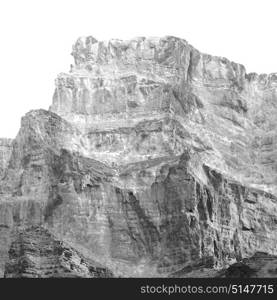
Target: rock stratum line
{"type": "Point", "coordinates": [154, 160]}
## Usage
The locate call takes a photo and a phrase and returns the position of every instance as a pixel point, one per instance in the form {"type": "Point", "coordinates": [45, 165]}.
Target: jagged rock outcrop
{"type": "Point", "coordinates": [213, 106]}
{"type": "Point", "coordinates": [259, 265]}
{"type": "Point", "coordinates": [36, 254]}
{"type": "Point", "coordinates": [153, 160]}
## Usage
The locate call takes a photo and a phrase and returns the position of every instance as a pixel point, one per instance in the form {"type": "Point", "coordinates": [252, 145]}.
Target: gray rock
{"type": "Point", "coordinates": [5, 152]}
{"type": "Point", "coordinates": [153, 160]}
{"type": "Point", "coordinates": [36, 254]}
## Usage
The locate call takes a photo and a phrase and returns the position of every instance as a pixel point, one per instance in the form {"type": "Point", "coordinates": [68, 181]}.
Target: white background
{"type": "Point", "coordinates": [37, 36]}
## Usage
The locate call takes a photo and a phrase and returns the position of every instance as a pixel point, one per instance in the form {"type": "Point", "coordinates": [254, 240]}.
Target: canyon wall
{"type": "Point", "coordinates": [5, 152]}
{"type": "Point", "coordinates": [153, 160]}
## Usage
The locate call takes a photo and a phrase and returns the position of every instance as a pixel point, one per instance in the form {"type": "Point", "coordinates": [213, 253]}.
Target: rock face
{"type": "Point", "coordinates": [36, 254]}
{"type": "Point", "coordinates": [259, 265]}
{"type": "Point", "coordinates": [5, 152]}
{"type": "Point", "coordinates": [153, 160]}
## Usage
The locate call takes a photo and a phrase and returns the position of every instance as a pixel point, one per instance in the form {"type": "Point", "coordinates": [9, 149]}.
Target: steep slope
{"type": "Point", "coordinates": [5, 152]}
{"type": "Point", "coordinates": [36, 254]}
{"type": "Point", "coordinates": [154, 159]}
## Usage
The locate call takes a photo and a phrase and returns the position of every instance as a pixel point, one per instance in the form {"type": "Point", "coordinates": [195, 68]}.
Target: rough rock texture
{"type": "Point", "coordinates": [259, 265]}
{"type": "Point", "coordinates": [211, 105]}
{"type": "Point", "coordinates": [153, 160]}
{"type": "Point", "coordinates": [5, 152]}
{"type": "Point", "coordinates": [36, 254]}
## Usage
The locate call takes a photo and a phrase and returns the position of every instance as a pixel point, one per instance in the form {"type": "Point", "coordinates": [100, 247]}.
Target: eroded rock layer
{"type": "Point", "coordinates": [259, 265]}
{"type": "Point", "coordinates": [36, 254]}
{"type": "Point", "coordinates": [153, 160]}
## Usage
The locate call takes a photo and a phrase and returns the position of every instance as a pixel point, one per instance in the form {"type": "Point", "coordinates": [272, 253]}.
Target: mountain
{"type": "Point", "coordinates": [154, 159]}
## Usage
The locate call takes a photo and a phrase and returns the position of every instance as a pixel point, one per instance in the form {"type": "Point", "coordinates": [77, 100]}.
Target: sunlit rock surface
{"type": "Point", "coordinates": [153, 160]}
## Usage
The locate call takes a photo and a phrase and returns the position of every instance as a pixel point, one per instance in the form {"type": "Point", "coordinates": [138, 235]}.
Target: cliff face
{"type": "Point", "coordinates": [5, 152]}
{"type": "Point", "coordinates": [36, 254]}
{"type": "Point", "coordinates": [154, 159]}
{"type": "Point", "coordinates": [212, 105]}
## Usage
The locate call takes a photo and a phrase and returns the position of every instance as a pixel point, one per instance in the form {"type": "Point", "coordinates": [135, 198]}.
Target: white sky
{"type": "Point", "coordinates": [37, 36]}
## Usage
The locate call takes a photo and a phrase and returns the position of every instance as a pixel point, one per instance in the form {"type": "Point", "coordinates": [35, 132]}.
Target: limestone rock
{"type": "Point", "coordinates": [36, 254]}
{"type": "Point", "coordinates": [259, 265]}
{"type": "Point", "coordinates": [153, 160]}
{"type": "Point", "coordinates": [209, 103]}
{"type": "Point", "coordinates": [5, 152]}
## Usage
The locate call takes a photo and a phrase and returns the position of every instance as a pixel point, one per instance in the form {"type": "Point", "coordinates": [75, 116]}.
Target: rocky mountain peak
{"type": "Point", "coordinates": [218, 106]}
